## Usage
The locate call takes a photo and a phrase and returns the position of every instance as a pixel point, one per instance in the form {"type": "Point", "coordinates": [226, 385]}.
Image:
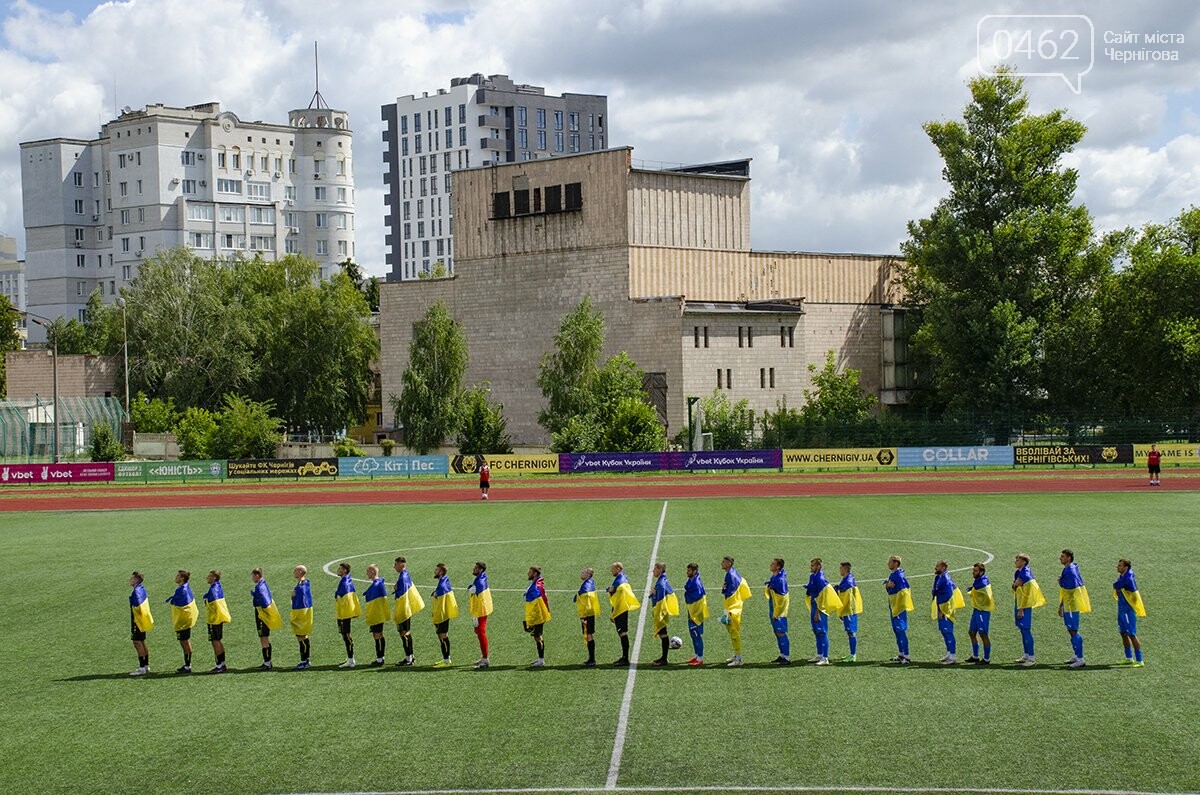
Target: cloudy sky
{"type": "Point", "coordinates": [828, 99]}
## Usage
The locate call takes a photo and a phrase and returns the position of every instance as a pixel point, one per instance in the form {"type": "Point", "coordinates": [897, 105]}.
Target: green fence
{"type": "Point", "coordinates": [27, 426]}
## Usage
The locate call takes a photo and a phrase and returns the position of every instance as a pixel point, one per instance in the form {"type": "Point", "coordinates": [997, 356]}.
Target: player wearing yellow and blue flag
{"type": "Point", "coordinates": [850, 608]}
{"type": "Point", "coordinates": [444, 608]}
{"type": "Point", "coordinates": [947, 599]}
{"type": "Point", "coordinates": [982, 606]}
{"type": "Point", "coordinates": [183, 617]}
{"type": "Point", "coordinates": [663, 605]}
{"type": "Point", "coordinates": [140, 622]}
{"type": "Point", "coordinates": [266, 615]}
{"type": "Point", "coordinates": [735, 592]}
{"type": "Point", "coordinates": [696, 600]}
{"type": "Point", "coordinates": [377, 612]}
{"type": "Point", "coordinates": [587, 607]}
{"type": "Point", "coordinates": [346, 609]}
{"type": "Point", "coordinates": [900, 603]}
{"type": "Point", "coordinates": [301, 618]}
{"type": "Point", "coordinates": [821, 599]}
{"type": "Point", "coordinates": [778, 602]}
{"type": "Point", "coordinates": [216, 615]}
{"type": "Point", "coordinates": [1072, 602]}
{"type": "Point", "coordinates": [537, 613]}
{"type": "Point", "coordinates": [479, 604]}
{"type": "Point", "coordinates": [408, 604]}
{"type": "Point", "coordinates": [623, 602]}
{"type": "Point", "coordinates": [1129, 608]}
{"type": "Point", "coordinates": [1027, 596]}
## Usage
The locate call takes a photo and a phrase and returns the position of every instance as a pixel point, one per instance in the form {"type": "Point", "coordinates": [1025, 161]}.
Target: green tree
{"type": "Point", "coordinates": [836, 412]}
{"type": "Point", "coordinates": [153, 416]}
{"type": "Point", "coordinates": [194, 433]}
{"type": "Point", "coordinates": [616, 414]}
{"type": "Point", "coordinates": [246, 429]}
{"type": "Point", "coordinates": [431, 386]}
{"type": "Point", "coordinates": [836, 397]}
{"type": "Point", "coordinates": [1002, 260]}
{"type": "Point", "coordinates": [566, 373]}
{"type": "Point", "coordinates": [10, 339]}
{"type": "Point", "coordinates": [731, 424]}
{"type": "Point", "coordinates": [483, 429]}
{"type": "Point", "coordinates": [105, 445]}
{"type": "Point", "coordinates": [345, 447]}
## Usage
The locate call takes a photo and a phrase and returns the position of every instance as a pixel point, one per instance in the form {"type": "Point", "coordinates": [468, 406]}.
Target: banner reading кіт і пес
{"type": "Point", "coordinates": [983, 456]}
{"type": "Point", "coordinates": [393, 466]}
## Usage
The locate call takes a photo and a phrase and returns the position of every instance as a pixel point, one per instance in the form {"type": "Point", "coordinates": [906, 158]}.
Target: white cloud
{"type": "Point", "coordinates": [827, 99]}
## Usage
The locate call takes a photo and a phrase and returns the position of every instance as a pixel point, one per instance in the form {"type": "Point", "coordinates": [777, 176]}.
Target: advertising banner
{"type": "Point", "coordinates": [840, 458]}
{"type": "Point", "coordinates": [1073, 454]}
{"type": "Point", "coordinates": [983, 456]}
{"type": "Point", "coordinates": [726, 459]}
{"type": "Point", "coordinates": [158, 471]}
{"type": "Point", "coordinates": [1169, 454]}
{"type": "Point", "coordinates": [92, 472]}
{"type": "Point", "coordinates": [393, 466]}
{"type": "Point", "coordinates": [611, 462]}
{"type": "Point", "coordinates": [507, 464]}
{"type": "Point", "coordinates": [282, 468]}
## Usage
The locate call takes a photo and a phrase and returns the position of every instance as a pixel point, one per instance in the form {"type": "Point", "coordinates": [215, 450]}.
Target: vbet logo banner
{"type": "Point", "coordinates": [983, 456]}
{"type": "Point", "coordinates": [145, 471]}
{"type": "Point", "coordinates": [393, 466]}
{"type": "Point", "coordinates": [611, 462]}
{"type": "Point", "coordinates": [726, 459]}
{"type": "Point", "coordinates": [94, 472]}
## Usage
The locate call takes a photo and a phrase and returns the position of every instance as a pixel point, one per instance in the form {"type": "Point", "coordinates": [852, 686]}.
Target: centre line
{"type": "Point", "coordinates": [614, 766]}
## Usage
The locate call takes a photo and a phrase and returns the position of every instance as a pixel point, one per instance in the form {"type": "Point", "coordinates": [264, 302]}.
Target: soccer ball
{"type": "Point", "coordinates": [676, 642]}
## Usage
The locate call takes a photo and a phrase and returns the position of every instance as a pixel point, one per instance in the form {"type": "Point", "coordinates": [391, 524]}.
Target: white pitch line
{"type": "Point", "coordinates": [614, 765]}
{"type": "Point", "coordinates": [856, 789]}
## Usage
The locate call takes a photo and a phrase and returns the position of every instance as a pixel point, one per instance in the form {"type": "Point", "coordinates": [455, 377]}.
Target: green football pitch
{"type": "Point", "coordinates": [73, 720]}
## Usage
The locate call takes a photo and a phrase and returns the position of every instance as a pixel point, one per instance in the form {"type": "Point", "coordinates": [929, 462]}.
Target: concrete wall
{"type": "Point", "coordinates": [32, 373]}
{"type": "Point", "coordinates": [689, 211]}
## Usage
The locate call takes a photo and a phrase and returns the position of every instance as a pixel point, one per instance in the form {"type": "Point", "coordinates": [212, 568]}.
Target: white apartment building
{"type": "Point", "coordinates": [197, 176]}
{"type": "Point", "coordinates": [476, 122]}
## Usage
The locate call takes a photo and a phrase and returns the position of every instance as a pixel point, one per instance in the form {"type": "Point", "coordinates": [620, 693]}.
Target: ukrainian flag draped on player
{"type": "Point", "coordinates": [215, 609]}
{"type": "Point", "coordinates": [827, 599]}
{"type": "Point", "coordinates": [735, 591]}
{"type": "Point", "coordinates": [900, 597]}
{"type": "Point", "coordinates": [537, 606]}
{"type": "Point", "coordinates": [981, 594]}
{"type": "Point", "coordinates": [1124, 590]}
{"type": "Point", "coordinates": [586, 601]}
{"type": "Point", "coordinates": [408, 599]}
{"type": "Point", "coordinates": [346, 604]}
{"type": "Point", "coordinates": [264, 606]}
{"type": "Point", "coordinates": [947, 598]}
{"type": "Point", "coordinates": [301, 617]}
{"type": "Point", "coordinates": [377, 602]}
{"type": "Point", "coordinates": [850, 601]}
{"type": "Point", "coordinates": [445, 604]}
{"type": "Point", "coordinates": [1028, 594]}
{"type": "Point", "coordinates": [664, 602]}
{"type": "Point", "coordinates": [1072, 593]}
{"type": "Point", "coordinates": [140, 609]}
{"type": "Point", "coordinates": [479, 603]}
{"type": "Point", "coordinates": [696, 600]}
{"type": "Point", "coordinates": [183, 608]}
{"type": "Point", "coordinates": [778, 598]}
{"type": "Point", "coordinates": [622, 599]}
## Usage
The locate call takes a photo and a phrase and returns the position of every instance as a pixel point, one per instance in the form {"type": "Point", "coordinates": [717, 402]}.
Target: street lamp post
{"type": "Point", "coordinates": [48, 324]}
{"type": "Point", "coordinates": [125, 347]}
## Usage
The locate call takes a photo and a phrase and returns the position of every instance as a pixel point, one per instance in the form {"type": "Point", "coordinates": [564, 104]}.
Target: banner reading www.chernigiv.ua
{"type": "Point", "coordinates": [841, 458]}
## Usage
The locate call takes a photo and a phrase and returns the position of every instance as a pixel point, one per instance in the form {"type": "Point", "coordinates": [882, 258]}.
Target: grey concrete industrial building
{"type": "Point", "coordinates": [478, 121]}
{"type": "Point", "coordinates": [665, 254]}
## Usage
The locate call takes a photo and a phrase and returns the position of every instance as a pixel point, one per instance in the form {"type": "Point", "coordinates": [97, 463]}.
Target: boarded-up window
{"type": "Point", "coordinates": [553, 198]}
{"type": "Point", "coordinates": [500, 205]}
{"type": "Point", "coordinates": [521, 202]}
{"type": "Point", "coordinates": [574, 196]}
{"type": "Point", "coordinates": [537, 200]}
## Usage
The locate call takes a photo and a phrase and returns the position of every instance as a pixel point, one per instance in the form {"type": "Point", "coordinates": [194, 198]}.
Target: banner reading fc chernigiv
{"type": "Point", "coordinates": [510, 464]}
{"type": "Point", "coordinates": [840, 458]}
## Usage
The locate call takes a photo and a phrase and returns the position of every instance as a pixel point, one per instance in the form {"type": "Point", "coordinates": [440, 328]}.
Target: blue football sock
{"type": "Point", "coordinates": [1027, 641]}
{"type": "Point", "coordinates": [987, 652]}
{"type": "Point", "coordinates": [1128, 652]}
{"type": "Point", "coordinates": [902, 643]}
{"type": "Point", "coordinates": [785, 645]}
{"type": "Point", "coordinates": [1138, 652]}
{"type": "Point", "coordinates": [1077, 645]}
{"type": "Point", "coordinates": [853, 644]}
{"type": "Point", "coordinates": [974, 648]}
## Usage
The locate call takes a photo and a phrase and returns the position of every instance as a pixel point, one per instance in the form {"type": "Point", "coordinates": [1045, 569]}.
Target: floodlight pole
{"type": "Point", "coordinates": [48, 324]}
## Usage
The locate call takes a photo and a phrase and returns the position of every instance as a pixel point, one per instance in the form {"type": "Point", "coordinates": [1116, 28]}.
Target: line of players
{"type": "Point", "coordinates": [822, 599]}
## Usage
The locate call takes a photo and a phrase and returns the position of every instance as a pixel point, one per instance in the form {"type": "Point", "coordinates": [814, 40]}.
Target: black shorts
{"type": "Point", "coordinates": [442, 627]}
{"type": "Point", "coordinates": [588, 625]}
{"type": "Point", "coordinates": [183, 634]}
{"type": "Point", "coordinates": [537, 629]}
{"type": "Point", "coordinates": [263, 630]}
{"type": "Point", "coordinates": [376, 629]}
{"type": "Point", "coordinates": [1155, 469]}
{"type": "Point", "coordinates": [404, 626]}
{"type": "Point", "coordinates": [483, 484]}
{"type": "Point", "coordinates": [344, 625]}
{"type": "Point", "coordinates": [622, 623]}
{"type": "Point", "coordinates": [134, 632]}
{"type": "Point", "coordinates": [216, 632]}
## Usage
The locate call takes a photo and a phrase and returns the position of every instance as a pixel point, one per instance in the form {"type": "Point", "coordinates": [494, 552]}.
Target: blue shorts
{"type": "Point", "coordinates": [820, 622]}
{"type": "Point", "coordinates": [980, 621]}
{"type": "Point", "coordinates": [779, 625]}
{"type": "Point", "coordinates": [1126, 621]}
{"type": "Point", "coordinates": [900, 622]}
{"type": "Point", "coordinates": [1025, 622]}
{"type": "Point", "coordinates": [695, 629]}
{"type": "Point", "coordinates": [1071, 620]}
{"type": "Point", "coordinates": [945, 625]}
{"type": "Point", "coordinates": [850, 624]}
